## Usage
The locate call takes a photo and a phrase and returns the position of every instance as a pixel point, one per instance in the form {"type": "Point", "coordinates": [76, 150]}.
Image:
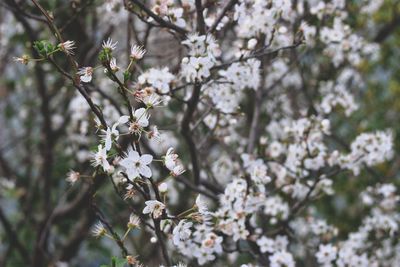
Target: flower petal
{"type": "Point", "coordinates": [123, 119]}
{"type": "Point", "coordinates": [86, 78]}
{"type": "Point", "coordinates": [146, 159]}
{"type": "Point", "coordinates": [133, 173]}
{"type": "Point", "coordinates": [124, 163]}
{"type": "Point", "coordinates": [133, 155]}
{"type": "Point", "coordinates": [145, 171]}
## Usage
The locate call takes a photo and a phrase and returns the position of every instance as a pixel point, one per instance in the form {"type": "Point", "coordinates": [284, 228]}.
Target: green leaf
{"type": "Point", "coordinates": [117, 262]}
{"type": "Point", "coordinates": [44, 47]}
{"type": "Point", "coordinates": [127, 76]}
{"type": "Point", "coordinates": [105, 55]}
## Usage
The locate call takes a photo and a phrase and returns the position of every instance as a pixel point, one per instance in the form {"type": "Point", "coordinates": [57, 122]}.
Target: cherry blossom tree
{"type": "Point", "coordinates": [197, 133]}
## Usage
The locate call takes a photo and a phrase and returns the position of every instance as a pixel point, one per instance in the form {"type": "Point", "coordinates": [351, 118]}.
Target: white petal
{"type": "Point", "coordinates": [146, 210]}
{"type": "Point", "coordinates": [86, 78]}
{"type": "Point", "coordinates": [123, 119]}
{"type": "Point", "coordinates": [132, 173]}
{"type": "Point", "coordinates": [114, 129]}
{"type": "Point", "coordinates": [133, 155]}
{"type": "Point", "coordinates": [143, 122]}
{"type": "Point", "coordinates": [105, 164]}
{"type": "Point", "coordinates": [145, 171]}
{"type": "Point", "coordinates": [170, 164]}
{"type": "Point", "coordinates": [139, 113]}
{"type": "Point", "coordinates": [170, 151]}
{"type": "Point", "coordinates": [125, 163]}
{"type": "Point", "coordinates": [146, 159]}
{"type": "Point", "coordinates": [108, 140]}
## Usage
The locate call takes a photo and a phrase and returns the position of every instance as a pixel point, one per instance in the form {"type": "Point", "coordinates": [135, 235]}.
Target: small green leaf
{"type": "Point", "coordinates": [117, 262]}
{"type": "Point", "coordinates": [127, 76]}
{"type": "Point", "coordinates": [44, 47]}
{"type": "Point", "coordinates": [105, 55]}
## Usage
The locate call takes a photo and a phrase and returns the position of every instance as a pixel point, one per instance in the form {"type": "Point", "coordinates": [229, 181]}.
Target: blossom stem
{"type": "Point", "coordinates": [186, 212]}
{"type": "Point", "coordinates": [126, 234]}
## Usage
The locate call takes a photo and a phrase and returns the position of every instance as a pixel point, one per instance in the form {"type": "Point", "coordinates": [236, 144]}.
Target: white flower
{"type": "Point", "coordinates": [131, 260]}
{"type": "Point", "coordinates": [326, 254]}
{"type": "Point", "coordinates": [251, 44]}
{"type": "Point", "coordinates": [100, 159]}
{"type": "Point", "coordinates": [201, 205]}
{"type": "Point", "coordinates": [162, 6]}
{"type": "Point", "coordinates": [159, 79]}
{"type": "Point", "coordinates": [266, 244]}
{"type": "Point", "coordinates": [275, 149]}
{"type": "Point", "coordinates": [137, 52]}
{"type": "Point", "coordinates": [258, 172]}
{"type": "Point", "coordinates": [386, 190]}
{"type": "Point", "coordinates": [282, 259]}
{"type": "Point", "coordinates": [113, 65]}
{"type": "Point", "coordinates": [176, 16]}
{"type": "Point", "coordinates": [244, 74]}
{"type": "Point", "coordinates": [196, 68]}
{"type": "Point", "coordinates": [172, 163]}
{"type": "Point", "coordinates": [212, 242]}
{"type": "Point", "coordinates": [154, 207]}
{"type": "Point", "coordinates": [109, 133]}
{"type": "Point", "coordinates": [112, 132]}
{"type": "Point", "coordinates": [85, 74]}
{"type": "Point", "coordinates": [151, 100]}
{"type": "Point", "coordinates": [170, 159]}
{"type": "Point", "coordinates": [181, 232]}
{"type": "Point", "coordinates": [134, 221]}
{"type": "Point", "coordinates": [67, 47]}
{"type": "Point", "coordinates": [99, 230]}
{"type": "Point", "coordinates": [196, 44]}
{"type": "Point", "coordinates": [163, 187]}
{"type": "Point", "coordinates": [154, 134]}
{"type": "Point", "coordinates": [178, 170]}
{"type": "Point", "coordinates": [109, 44]}
{"type": "Point", "coordinates": [141, 120]}
{"type": "Point", "coordinates": [72, 177]}
{"type": "Point", "coordinates": [136, 165]}
{"type": "Point", "coordinates": [225, 97]}
{"type": "Point", "coordinates": [23, 60]}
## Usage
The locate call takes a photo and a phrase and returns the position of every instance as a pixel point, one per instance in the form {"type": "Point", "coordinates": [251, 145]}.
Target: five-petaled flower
{"type": "Point", "coordinates": [85, 74]}
{"type": "Point", "coordinates": [72, 177]}
{"type": "Point", "coordinates": [136, 165]}
{"type": "Point", "coordinates": [109, 44]}
{"type": "Point", "coordinates": [134, 221]}
{"type": "Point", "coordinates": [23, 60]}
{"type": "Point", "coordinates": [137, 52]}
{"type": "Point", "coordinates": [99, 230]}
{"type": "Point", "coordinates": [141, 120]}
{"type": "Point", "coordinates": [154, 207]}
{"type": "Point", "coordinates": [67, 47]}
{"type": "Point", "coordinates": [100, 159]}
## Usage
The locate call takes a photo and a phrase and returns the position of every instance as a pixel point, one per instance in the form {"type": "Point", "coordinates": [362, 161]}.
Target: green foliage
{"type": "Point", "coordinates": [127, 76]}
{"type": "Point", "coordinates": [115, 262]}
{"type": "Point", "coordinates": [105, 55]}
{"type": "Point", "coordinates": [44, 48]}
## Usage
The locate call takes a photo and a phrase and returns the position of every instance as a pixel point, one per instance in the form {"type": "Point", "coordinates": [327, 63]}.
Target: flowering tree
{"type": "Point", "coordinates": [259, 98]}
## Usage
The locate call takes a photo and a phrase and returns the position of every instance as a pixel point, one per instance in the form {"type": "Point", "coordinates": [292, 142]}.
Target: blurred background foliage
{"type": "Point", "coordinates": [379, 107]}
